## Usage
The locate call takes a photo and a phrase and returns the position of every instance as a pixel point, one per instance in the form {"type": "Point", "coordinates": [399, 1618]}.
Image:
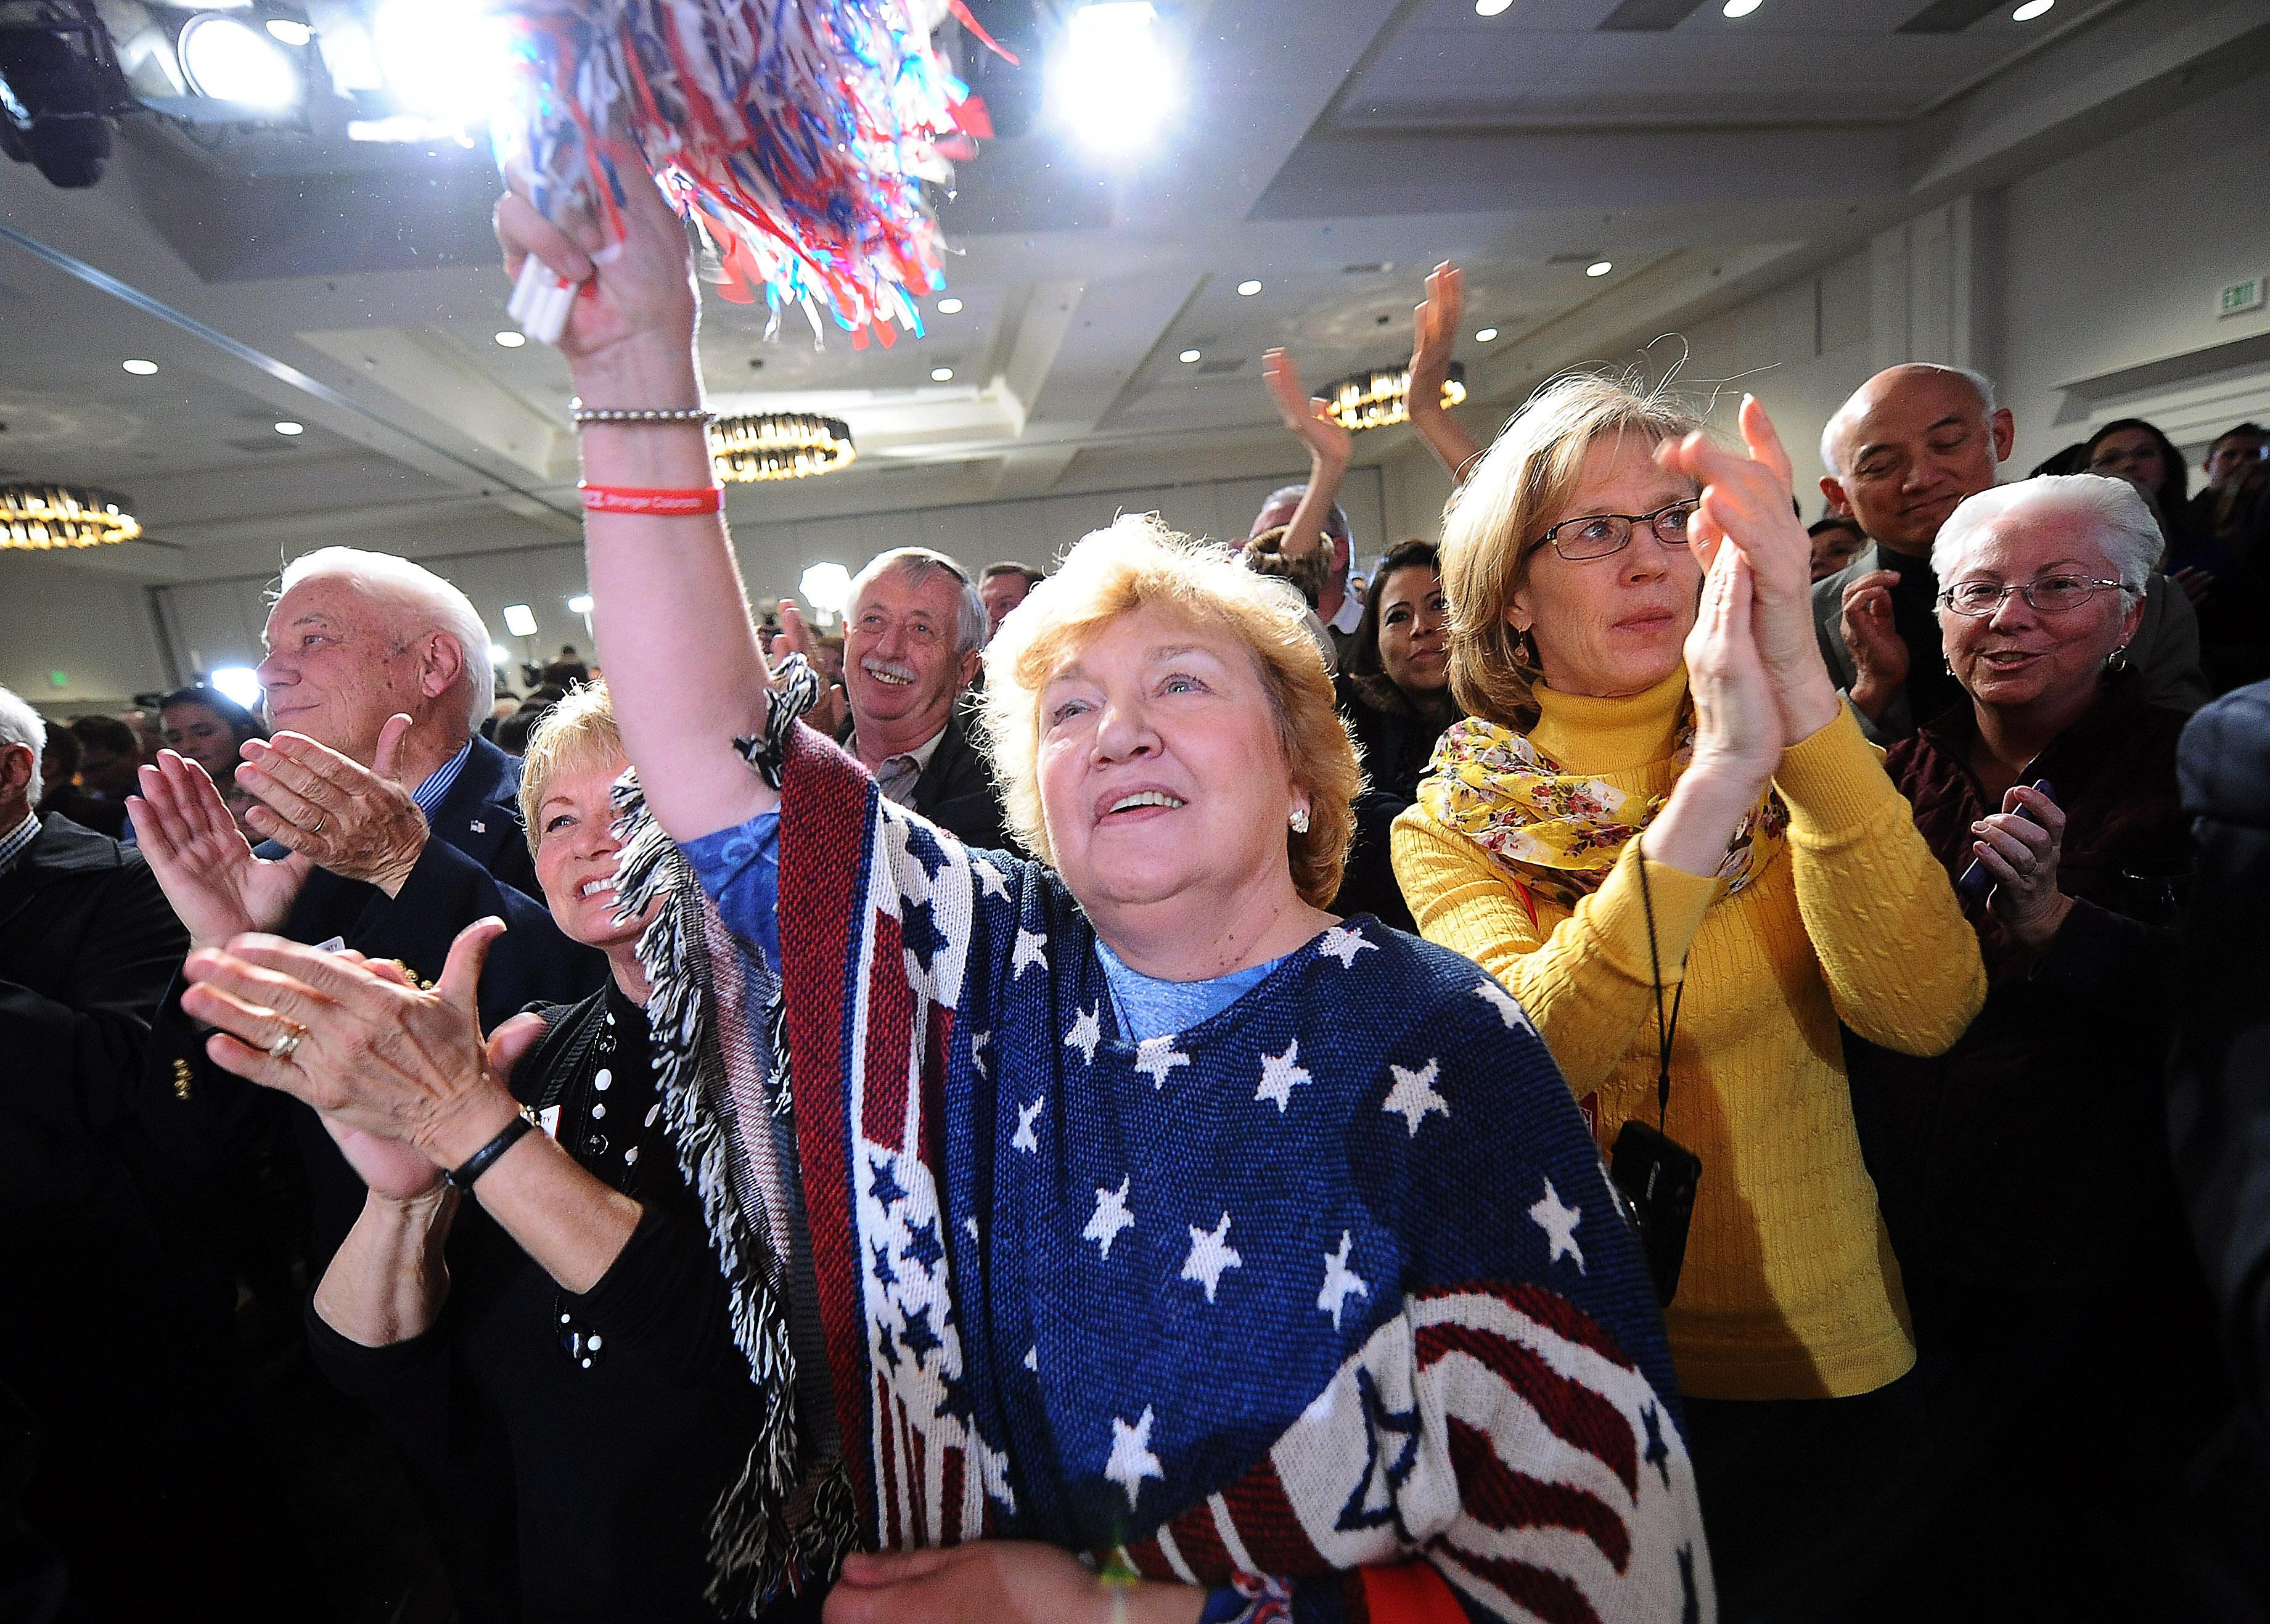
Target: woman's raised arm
{"type": "Point", "coordinates": [671, 620]}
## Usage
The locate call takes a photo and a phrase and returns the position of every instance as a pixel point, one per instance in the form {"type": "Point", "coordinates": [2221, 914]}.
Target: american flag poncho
{"type": "Point", "coordinates": [1326, 1299]}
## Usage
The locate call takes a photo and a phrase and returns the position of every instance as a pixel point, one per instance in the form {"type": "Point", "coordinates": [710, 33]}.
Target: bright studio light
{"type": "Point", "coordinates": [1112, 82]}
{"type": "Point", "coordinates": [289, 30]}
{"type": "Point", "coordinates": [2032, 9]}
{"type": "Point", "coordinates": [580, 604]}
{"type": "Point", "coordinates": [827, 587]}
{"type": "Point", "coordinates": [229, 61]}
{"type": "Point", "coordinates": [448, 58]}
{"type": "Point", "coordinates": [140, 368]}
{"type": "Point", "coordinates": [520, 620]}
{"type": "Point", "coordinates": [241, 683]}
{"type": "Point", "coordinates": [1490, 8]}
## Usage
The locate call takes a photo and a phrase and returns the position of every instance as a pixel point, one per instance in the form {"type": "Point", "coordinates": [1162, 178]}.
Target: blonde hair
{"type": "Point", "coordinates": [1496, 522]}
{"type": "Point", "coordinates": [1137, 563]}
{"type": "Point", "coordinates": [577, 731]}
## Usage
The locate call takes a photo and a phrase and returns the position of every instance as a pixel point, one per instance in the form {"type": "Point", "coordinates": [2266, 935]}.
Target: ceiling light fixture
{"type": "Point", "coordinates": [580, 604]}
{"type": "Point", "coordinates": [444, 58]}
{"type": "Point", "coordinates": [140, 368]}
{"type": "Point", "coordinates": [498, 654]}
{"type": "Point", "coordinates": [827, 587]}
{"type": "Point", "coordinates": [1490, 8]}
{"type": "Point", "coordinates": [941, 375]}
{"type": "Point", "coordinates": [949, 305]}
{"type": "Point", "coordinates": [1187, 357]}
{"type": "Point", "coordinates": [780, 445]}
{"type": "Point", "coordinates": [229, 61]}
{"type": "Point", "coordinates": [37, 517]}
{"type": "Point", "coordinates": [512, 338]}
{"type": "Point", "coordinates": [1737, 8]}
{"type": "Point", "coordinates": [287, 428]}
{"type": "Point", "coordinates": [1487, 335]}
{"type": "Point", "coordinates": [1382, 396]}
{"type": "Point", "coordinates": [1112, 84]}
{"type": "Point", "coordinates": [1248, 288]}
{"type": "Point", "coordinates": [2032, 9]}
{"type": "Point", "coordinates": [241, 683]}
{"type": "Point", "coordinates": [1599, 268]}
{"type": "Point", "coordinates": [520, 620]}
{"type": "Point", "coordinates": [289, 30]}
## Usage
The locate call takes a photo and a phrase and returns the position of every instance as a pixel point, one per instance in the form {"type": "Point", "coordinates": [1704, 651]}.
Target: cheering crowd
{"type": "Point", "coordinates": [1620, 1068]}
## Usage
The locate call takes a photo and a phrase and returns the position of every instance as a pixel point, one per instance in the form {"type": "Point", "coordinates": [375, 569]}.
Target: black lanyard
{"type": "Point", "coordinates": [1665, 1030]}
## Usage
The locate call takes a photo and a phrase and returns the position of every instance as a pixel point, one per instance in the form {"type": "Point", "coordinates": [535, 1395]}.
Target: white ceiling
{"type": "Point", "coordinates": [1332, 148]}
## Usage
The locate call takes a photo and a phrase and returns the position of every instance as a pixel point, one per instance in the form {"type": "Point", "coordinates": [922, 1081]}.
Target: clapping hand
{"type": "Point", "coordinates": [1879, 654]}
{"type": "Point", "coordinates": [1435, 337]}
{"type": "Point", "coordinates": [1304, 414]}
{"type": "Point", "coordinates": [202, 860]}
{"type": "Point", "coordinates": [2020, 846]}
{"type": "Point", "coordinates": [357, 821]}
{"type": "Point", "coordinates": [1737, 721]}
{"type": "Point", "coordinates": [1746, 501]}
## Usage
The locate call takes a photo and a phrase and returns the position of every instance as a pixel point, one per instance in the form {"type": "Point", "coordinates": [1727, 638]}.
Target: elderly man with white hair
{"type": "Point", "coordinates": [1909, 446]}
{"type": "Point", "coordinates": [390, 824]}
{"type": "Point", "coordinates": [2025, 1173]}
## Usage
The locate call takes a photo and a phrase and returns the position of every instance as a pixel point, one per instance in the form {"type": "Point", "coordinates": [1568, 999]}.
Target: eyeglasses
{"type": "Point", "coordinates": [2052, 595]}
{"type": "Point", "coordinates": [1596, 535]}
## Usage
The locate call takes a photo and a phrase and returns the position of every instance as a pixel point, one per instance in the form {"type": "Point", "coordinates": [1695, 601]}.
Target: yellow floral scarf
{"type": "Point", "coordinates": [1558, 833]}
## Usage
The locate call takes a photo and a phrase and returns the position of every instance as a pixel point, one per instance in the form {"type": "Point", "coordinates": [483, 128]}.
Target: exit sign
{"type": "Point", "coordinates": [2240, 297]}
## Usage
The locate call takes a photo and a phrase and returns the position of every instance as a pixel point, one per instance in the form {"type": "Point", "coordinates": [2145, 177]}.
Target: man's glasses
{"type": "Point", "coordinates": [2052, 595]}
{"type": "Point", "coordinates": [1596, 535]}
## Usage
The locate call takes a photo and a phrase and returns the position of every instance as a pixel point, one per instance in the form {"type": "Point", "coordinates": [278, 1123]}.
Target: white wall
{"type": "Point", "coordinates": [94, 628]}
{"type": "Point", "coordinates": [218, 623]}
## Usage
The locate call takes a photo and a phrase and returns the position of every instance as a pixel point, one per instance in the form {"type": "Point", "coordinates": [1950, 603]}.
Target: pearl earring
{"type": "Point", "coordinates": [1299, 820]}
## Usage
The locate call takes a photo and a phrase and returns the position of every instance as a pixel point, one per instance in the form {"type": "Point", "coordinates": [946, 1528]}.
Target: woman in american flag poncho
{"type": "Point", "coordinates": [1148, 1213]}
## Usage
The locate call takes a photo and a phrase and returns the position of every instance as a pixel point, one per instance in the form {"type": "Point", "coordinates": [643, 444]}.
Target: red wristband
{"type": "Point", "coordinates": [669, 504]}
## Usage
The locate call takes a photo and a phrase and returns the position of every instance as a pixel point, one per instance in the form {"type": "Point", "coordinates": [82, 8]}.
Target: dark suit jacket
{"type": "Point", "coordinates": [476, 863]}
{"type": "Point", "coordinates": [956, 790]}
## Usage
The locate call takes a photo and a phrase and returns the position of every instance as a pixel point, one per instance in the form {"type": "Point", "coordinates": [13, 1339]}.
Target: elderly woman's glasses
{"type": "Point", "coordinates": [1596, 535]}
{"type": "Point", "coordinates": [2052, 595]}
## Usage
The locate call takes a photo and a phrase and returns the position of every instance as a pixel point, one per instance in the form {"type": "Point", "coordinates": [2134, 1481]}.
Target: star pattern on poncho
{"type": "Point", "coordinates": [994, 883]}
{"type": "Point", "coordinates": [1343, 944]}
{"type": "Point", "coordinates": [1031, 953]}
{"type": "Point", "coordinates": [1280, 1074]}
{"type": "Point", "coordinates": [1155, 1056]}
{"type": "Point", "coordinates": [978, 1042]}
{"type": "Point", "coordinates": [1111, 1216]}
{"type": "Point", "coordinates": [1086, 1032]}
{"type": "Point", "coordinates": [1211, 1253]}
{"type": "Point", "coordinates": [1508, 1008]}
{"type": "Point", "coordinates": [1024, 1138]}
{"type": "Point", "coordinates": [1131, 1460]}
{"type": "Point", "coordinates": [1341, 1281]}
{"type": "Point", "coordinates": [1559, 1223]}
{"type": "Point", "coordinates": [1413, 1095]}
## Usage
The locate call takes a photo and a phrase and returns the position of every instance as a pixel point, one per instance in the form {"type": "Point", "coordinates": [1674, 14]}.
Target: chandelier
{"type": "Point", "coordinates": [779, 445]}
{"type": "Point", "coordinates": [1376, 398]}
{"type": "Point", "coordinates": [40, 516]}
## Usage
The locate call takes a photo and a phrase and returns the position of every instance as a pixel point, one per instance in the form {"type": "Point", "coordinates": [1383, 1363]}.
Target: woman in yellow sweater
{"type": "Point", "coordinates": [1596, 785]}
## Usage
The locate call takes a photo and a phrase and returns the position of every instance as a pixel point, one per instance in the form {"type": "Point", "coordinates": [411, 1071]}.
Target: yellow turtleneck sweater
{"type": "Point", "coordinates": [1789, 1289]}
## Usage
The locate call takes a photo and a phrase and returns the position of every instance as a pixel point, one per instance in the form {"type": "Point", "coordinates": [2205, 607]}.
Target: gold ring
{"type": "Point", "coordinates": [316, 827]}
{"type": "Point", "coordinates": [282, 1048]}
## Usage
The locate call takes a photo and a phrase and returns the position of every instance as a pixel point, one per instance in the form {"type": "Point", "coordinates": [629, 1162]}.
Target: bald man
{"type": "Point", "coordinates": [1909, 446]}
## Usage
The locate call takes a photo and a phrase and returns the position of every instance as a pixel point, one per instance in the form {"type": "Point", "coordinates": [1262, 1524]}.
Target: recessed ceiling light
{"type": "Point", "coordinates": [949, 307]}
{"type": "Point", "coordinates": [512, 338]}
{"type": "Point", "coordinates": [287, 427]}
{"type": "Point", "coordinates": [1738, 8]}
{"type": "Point", "coordinates": [1490, 8]}
{"type": "Point", "coordinates": [1599, 268]}
{"type": "Point", "coordinates": [941, 375]}
{"type": "Point", "coordinates": [1248, 288]}
{"type": "Point", "coordinates": [1188, 356]}
{"type": "Point", "coordinates": [520, 620]}
{"type": "Point", "coordinates": [289, 30]}
{"type": "Point", "coordinates": [1485, 336]}
{"type": "Point", "coordinates": [2032, 9]}
{"type": "Point", "coordinates": [498, 654]}
{"type": "Point", "coordinates": [140, 368]}
{"type": "Point", "coordinates": [580, 604]}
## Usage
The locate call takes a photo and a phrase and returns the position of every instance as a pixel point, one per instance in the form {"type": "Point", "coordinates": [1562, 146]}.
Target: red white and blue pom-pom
{"type": "Point", "coordinates": [793, 136]}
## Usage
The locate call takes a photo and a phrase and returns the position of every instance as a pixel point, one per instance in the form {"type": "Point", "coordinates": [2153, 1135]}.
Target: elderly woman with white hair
{"type": "Point", "coordinates": [2025, 1172]}
{"type": "Point", "coordinates": [1148, 1212]}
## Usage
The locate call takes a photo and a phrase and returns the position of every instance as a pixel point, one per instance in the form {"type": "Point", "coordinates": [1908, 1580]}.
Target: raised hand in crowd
{"type": "Point", "coordinates": [1330, 447]}
{"type": "Point", "coordinates": [203, 862]}
{"type": "Point", "coordinates": [1745, 502]}
{"type": "Point", "coordinates": [357, 821]}
{"type": "Point", "coordinates": [1433, 341]}
{"type": "Point", "coordinates": [2019, 846]}
{"type": "Point", "coordinates": [1879, 654]}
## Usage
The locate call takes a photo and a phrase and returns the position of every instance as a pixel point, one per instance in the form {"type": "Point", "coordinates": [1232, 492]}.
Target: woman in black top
{"type": "Point", "coordinates": [557, 1353]}
{"type": "Point", "coordinates": [1394, 690]}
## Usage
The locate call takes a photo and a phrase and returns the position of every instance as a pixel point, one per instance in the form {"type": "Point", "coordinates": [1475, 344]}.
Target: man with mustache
{"type": "Point", "coordinates": [1903, 453]}
{"type": "Point", "coordinates": [913, 641]}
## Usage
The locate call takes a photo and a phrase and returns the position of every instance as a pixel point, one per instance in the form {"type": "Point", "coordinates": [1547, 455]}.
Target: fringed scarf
{"type": "Point", "coordinates": [1557, 833]}
{"type": "Point", "coordinates": [722, 1072]}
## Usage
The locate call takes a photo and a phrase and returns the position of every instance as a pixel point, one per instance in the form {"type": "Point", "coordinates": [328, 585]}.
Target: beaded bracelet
{"type": "Point", "coordinates": [580, 414]}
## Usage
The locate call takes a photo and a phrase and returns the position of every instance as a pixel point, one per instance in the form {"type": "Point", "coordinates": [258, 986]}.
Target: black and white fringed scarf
{"type": "Point", "coordinates": [721, 1065]}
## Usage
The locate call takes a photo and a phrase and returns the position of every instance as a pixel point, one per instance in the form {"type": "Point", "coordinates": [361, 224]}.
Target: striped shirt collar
{"type": "Point", "coordinates": [442, 781]}
{"type": "Point", "coordinates": [14, 844]}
